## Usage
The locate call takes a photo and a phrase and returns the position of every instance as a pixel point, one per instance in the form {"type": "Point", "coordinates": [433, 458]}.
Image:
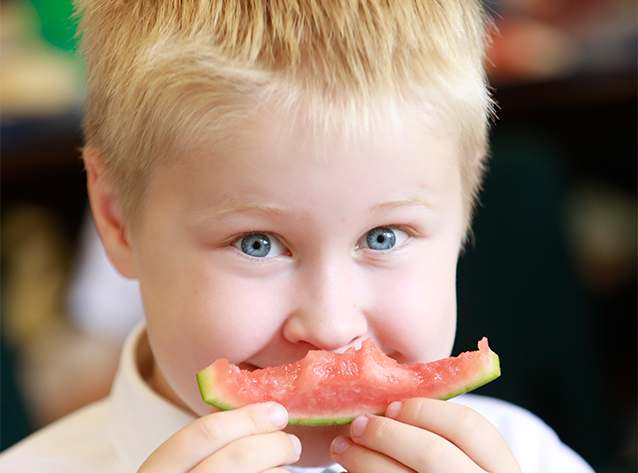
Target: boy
{"type": "Point", "coordinates": [280, 177]}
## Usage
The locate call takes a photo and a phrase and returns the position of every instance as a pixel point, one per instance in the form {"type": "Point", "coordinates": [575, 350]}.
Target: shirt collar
{"type": "Point", "coordinates": [140, 420]}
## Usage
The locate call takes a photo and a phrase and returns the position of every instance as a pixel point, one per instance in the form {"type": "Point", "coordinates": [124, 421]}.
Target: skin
{"type": "Point", "coordinates": [321, 286]}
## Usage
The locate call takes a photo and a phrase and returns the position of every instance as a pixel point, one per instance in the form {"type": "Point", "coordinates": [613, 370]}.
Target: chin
{"type": "Point", "coordinates": [315, 443]}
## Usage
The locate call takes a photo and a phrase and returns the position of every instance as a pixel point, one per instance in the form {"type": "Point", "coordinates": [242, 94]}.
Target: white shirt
{"type": "Point", "coordinates": [117, 434]}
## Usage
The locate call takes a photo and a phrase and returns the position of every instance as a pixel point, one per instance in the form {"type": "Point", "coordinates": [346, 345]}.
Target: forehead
{"type": "Point", "coordinates": [275, 155]}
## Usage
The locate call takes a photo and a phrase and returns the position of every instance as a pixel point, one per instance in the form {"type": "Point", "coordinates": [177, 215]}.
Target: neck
{"type": "Point", "coordinates": [150, 371]}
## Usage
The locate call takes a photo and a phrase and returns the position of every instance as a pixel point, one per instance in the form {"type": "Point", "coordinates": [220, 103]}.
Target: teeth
{"type": "Point", "coordinates": [356, 344]}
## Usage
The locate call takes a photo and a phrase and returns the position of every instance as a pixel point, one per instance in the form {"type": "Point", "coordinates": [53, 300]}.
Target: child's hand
{"type": "Point", "coordinates": [246, 440]}
{"type": "Point", "coordinates": [426, 436]}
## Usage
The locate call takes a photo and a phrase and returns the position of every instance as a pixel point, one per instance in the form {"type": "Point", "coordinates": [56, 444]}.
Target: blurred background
{"type": "Point", "coordinates": [550, 276]}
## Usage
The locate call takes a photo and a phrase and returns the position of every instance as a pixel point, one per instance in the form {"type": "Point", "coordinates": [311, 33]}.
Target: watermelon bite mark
{"type": "Point", "coordinates": [327, 388]}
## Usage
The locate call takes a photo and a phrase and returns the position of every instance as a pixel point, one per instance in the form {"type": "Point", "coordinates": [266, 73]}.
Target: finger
{"type": "Point", "coordinates": [206, 435]}
{"type": "Point", "coordinates": [417, 449]}
{"type": "Point", "coordinates": [253, 454]}
{"type": "Point", "coordinates": [358, 459]}
{"type": "Point", "coordinates": [462, 426]}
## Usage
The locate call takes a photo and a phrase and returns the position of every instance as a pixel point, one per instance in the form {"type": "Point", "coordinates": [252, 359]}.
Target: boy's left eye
{"type": "Point", "coordinates": [382, 238]}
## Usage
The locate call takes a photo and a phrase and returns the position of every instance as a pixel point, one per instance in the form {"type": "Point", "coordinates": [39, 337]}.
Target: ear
{"type": "Point", "coordinates": [108, 215]}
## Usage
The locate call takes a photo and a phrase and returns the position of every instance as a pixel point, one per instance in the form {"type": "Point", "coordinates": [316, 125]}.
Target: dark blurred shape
{"type": "Point", "coordinates": [551, 39]}
{"type": "Point", "coordinates": [15, 424]}
{"type": "Point", "coordinates": [563, 150]}
{"type": "Point", "coordinates": [517, 288]}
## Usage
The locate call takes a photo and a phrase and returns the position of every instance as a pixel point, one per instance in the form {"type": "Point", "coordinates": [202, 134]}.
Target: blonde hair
{"type": "Point", "coordinates": [163, 73]}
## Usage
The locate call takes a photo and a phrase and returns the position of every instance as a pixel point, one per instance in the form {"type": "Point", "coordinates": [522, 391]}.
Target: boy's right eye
{"type": "Point", "coordinates": [259, 245]}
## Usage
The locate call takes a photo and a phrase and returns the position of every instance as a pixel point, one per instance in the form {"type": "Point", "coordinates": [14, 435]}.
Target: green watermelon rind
{"type": "Point", "coordinates": [482, 379]}
{"type": "Point", "coordinates": [206, 382]}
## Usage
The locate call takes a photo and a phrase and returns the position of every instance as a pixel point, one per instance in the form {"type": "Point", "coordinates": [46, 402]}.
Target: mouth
{"type": "Point", "coordinates": [356, 344]}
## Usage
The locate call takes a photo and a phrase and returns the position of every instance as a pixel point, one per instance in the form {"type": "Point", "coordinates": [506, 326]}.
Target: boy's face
{"type": "Point", "coordinates": [277, 242]}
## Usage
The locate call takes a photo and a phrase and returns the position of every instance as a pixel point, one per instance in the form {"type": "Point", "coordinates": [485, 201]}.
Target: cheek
{"type": "Point", "coordinates": [426, 313]}
{"type": "Point", "coordinates": [211, 316]}
{"type": "Point", "coordinates": [418, 311]}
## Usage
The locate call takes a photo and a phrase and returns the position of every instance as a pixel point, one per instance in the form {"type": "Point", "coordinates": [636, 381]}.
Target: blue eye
{"type": "Point", "coordinates": [383, 238]}
{"type": "Point", "coordinates": [259, 245]}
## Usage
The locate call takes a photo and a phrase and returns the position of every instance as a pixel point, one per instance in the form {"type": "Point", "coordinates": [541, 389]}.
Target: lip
{"type": "Point", "coordinates": [356, 344]}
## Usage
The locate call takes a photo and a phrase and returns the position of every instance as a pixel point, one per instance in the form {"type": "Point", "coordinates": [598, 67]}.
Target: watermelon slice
{"type": "Point", "coordinates": [333, 388]}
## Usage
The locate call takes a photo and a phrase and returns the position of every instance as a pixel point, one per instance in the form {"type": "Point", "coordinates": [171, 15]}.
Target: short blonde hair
{"type": "Point", "coordinates": [161, 73]}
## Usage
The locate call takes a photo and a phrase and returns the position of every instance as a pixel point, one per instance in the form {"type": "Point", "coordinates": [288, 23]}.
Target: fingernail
{"type": "Point", "coordinates": [296, 442]}
{"type": "Point", "coordinates": [339, 445]}
{"type": "Point", "coordinates": [279, 416]}
{"type": "Point", "coordinates": [393, 410]}
{"type": "Point", "coordinates": [358, 426]}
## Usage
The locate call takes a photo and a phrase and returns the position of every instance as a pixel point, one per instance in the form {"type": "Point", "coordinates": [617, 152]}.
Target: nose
{"type": "Point", "coordinates": [328, 312]}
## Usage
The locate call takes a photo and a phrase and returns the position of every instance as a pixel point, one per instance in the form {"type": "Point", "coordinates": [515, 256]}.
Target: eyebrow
{"type": "Point", "coordinates": [235, 206]}
{"type": "Point", "coordinates": [238, 207]}
{"type": "Point", "coordinates": [418, 199]}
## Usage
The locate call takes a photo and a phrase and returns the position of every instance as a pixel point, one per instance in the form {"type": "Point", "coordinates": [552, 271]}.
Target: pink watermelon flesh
{"type": "Point", "coordinates": [327, 388]}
